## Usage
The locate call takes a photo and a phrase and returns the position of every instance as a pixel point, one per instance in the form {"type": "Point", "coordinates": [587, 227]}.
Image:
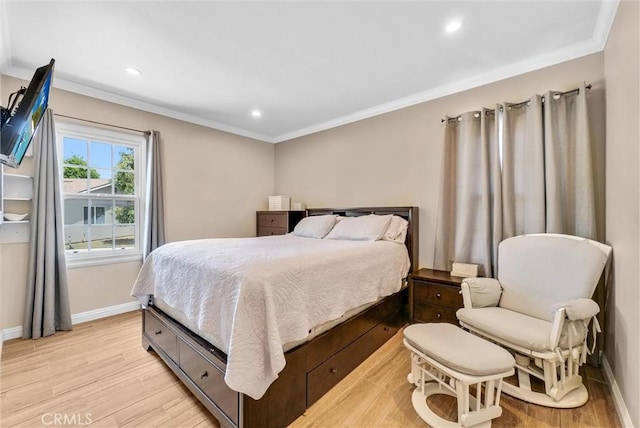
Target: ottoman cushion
{"type": "Point", "coordinates": [461, 351]}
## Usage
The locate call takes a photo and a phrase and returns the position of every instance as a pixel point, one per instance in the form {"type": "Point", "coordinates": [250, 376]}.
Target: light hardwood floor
{"type": "Point", "coordinates": [99, 375]}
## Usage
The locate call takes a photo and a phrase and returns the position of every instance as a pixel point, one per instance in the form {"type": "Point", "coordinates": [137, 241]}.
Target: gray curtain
{"type": "Point", "coordinates": [154, 235]}
{"type": "Point", "coordinates": [544, 181]}
{"type": "Point", "coordinates": [523, 166]}
{"type": "Point", "coordinates": [47, 300]}
{"type": "Point", "coordinates": [569, 172]}
{"type": "Point", "coordinates": [469, 218]}
{"type": "Point", "coordinates": [548, 177]}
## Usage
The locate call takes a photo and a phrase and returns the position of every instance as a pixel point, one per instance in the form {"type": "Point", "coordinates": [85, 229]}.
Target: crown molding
{"type": "Point", "coordinates": [548, 59]}
{"type": "Point", "coordinates": [58, 83]}
{"type": "Point", "coordinates": [607, 15]}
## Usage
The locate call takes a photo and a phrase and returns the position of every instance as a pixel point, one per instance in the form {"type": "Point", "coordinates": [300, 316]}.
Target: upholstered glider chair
{"type": "Point", "coordinates": [539, 308]}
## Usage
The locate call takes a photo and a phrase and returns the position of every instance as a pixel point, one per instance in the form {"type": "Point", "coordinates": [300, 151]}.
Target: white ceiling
{"type": "Point", "coordinates": [306, 66]}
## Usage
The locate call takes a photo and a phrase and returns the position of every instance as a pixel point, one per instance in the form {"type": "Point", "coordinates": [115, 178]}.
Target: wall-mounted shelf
{"type": "Point", "coordinates": [17, 187]}
{"type": "Point", "coordinates": [16, 191]}
{"type": "Point", "coordinates": [14, 232]}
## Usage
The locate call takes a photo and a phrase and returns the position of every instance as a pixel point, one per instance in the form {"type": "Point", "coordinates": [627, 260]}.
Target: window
{"type": "Point", "coordinates": [97, 215]}
{"type": "Point", "coordinates": [102, 184]}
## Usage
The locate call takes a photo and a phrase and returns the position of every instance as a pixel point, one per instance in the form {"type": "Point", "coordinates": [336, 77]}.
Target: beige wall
{"type": "Point", "coordinates": [214, 183]}
{"type": "Point", "coordinates": [622, 80]}
{"type": "Point", "coordinates": [396, 158]}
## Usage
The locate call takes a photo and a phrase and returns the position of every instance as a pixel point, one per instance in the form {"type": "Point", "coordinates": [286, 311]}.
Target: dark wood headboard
{"type": "Point", "coordinates": [408, 213]}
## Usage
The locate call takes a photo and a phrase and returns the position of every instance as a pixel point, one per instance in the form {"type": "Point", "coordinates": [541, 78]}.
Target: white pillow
{"type": "Point", "coordinates": [316, 226]}
{"type": "Point", "coordinates": [397, 230]}
{"type": "Point", "coordinates": [363, 228]}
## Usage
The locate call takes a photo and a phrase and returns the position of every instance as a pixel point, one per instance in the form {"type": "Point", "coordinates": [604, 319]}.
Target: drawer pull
{"type": "Point", "coordinates": [271, 220]}
{"type": "Point", "coordinates": [438, 315]}
{"type": "Point", "coordinates": [204, 375]}
{"type": "Point", "coordinates": [438, 295]}
{"type": "Point", "coordinates": [386, 328]}
{"type": "Point", "coordinates": [333, 371]}
{"type": "Point", "coordinates": [158, 332]}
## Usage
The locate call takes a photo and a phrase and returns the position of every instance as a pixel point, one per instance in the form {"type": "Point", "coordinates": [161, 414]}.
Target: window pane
{"type": "Point", "coordinates": [75, 237]}
{"type": "Point", "coordinates": [109, 211]}
{"type": "Point", "coordinates": [74, 180]}
{"type": "Point", "coordinates": [124, 158]}
{"type": "Point", "coordinates": [125, 183]}
{"type": "Point", "coordinates": [74, 211]}
{"type": "Point", "coordinates": [101, 237]}
{"type": "Point", "coordinates": [74, 151]}
{"type": "Point", "coordinates": [100, 155]}
{"type": "Point", "coordinates": [102, 211]}
{"type": "Point", "coordinates": [125, 237]}
{"type": "Point", "coordinates": [100, 182]}
{"type": "Point", "coordinates": [125, 212]}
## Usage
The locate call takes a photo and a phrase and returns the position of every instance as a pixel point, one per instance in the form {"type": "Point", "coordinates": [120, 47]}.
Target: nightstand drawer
{"type": "Point", "coordinates": [277, 222]}
{"type": "Point", "coordinates": [268, 231]}
{"type": "Point", "coordinates": [434, 296]}
{"type": "Point", "coordinates": [424, 312]}
{"type": "Point", "coordinates": [437, 294]}
{"type": "Point", "coordinates": [273, 220]}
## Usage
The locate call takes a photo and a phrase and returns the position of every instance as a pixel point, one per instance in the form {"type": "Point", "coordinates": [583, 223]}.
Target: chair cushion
{"type": "Point", "coordinates": [461, 351]}
{"type": "Point", "coordinates": [538, 271]}
{"type": "Point", "coordinates": [519, 329]}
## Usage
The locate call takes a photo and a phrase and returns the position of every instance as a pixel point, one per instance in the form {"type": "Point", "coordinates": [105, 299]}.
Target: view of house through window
{"type": "Point", "coordinates": [102, 186]}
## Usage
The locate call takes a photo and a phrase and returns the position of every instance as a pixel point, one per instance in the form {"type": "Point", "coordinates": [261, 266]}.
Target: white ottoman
{"type": "Point", "coordinates": [446, 360]}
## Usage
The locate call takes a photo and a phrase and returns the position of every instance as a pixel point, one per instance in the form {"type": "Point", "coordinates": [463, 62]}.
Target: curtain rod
{"type": "Point", "coordinates": [516, 105]}
{"type": "Point", "coordinates": [104, 124]}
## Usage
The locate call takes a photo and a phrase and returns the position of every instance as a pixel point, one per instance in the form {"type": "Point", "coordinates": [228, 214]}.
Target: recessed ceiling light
{"type": "Point", "coordinates": [133, 71]}
{"type": "Point", "coordinates": [453, 26]}
{"type": "Point", "coordinates": [256, 113]}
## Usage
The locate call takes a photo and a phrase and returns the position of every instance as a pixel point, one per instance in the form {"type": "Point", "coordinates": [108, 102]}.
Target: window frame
{"type": "Point", "coordinates": [80, 258]}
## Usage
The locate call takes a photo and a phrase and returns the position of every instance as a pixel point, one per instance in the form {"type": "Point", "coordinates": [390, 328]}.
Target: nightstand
{"type": "Point", "coordinates": [277, 222]}
{"type": "Point", "coordinates": [434, 296]}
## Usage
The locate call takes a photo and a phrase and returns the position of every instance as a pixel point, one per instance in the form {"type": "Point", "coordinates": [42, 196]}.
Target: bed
{"type": "Point", "coordinates": [311, 366]}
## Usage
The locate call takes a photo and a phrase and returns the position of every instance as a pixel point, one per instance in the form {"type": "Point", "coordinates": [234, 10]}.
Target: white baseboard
{"type": "Point", "coordinates": [618, 401]}
{"type": "Point", "coordinates": [12, 332]}
{"type": "Point", "coordinates": [16, 332]}
{"type": "Point", "coordinates": [105, 312]}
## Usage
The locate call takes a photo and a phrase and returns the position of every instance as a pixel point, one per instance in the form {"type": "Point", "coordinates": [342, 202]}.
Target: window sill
{"type": "Point", "coordinates": [75, 261]}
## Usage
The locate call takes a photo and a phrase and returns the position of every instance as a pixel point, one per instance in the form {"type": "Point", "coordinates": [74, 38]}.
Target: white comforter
{"type": "Point", "coordinates": [255, 294]}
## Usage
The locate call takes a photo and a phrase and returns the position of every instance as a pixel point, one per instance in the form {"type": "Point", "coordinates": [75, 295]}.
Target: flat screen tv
{"type": "Point", "coordinates": [20, 126]}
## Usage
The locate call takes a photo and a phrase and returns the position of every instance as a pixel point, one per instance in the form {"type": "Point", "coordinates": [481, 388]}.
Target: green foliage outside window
{"type": "Point", "coordinates": [73, 172]}
{"type": "Point", "coordinates": [124, 184]}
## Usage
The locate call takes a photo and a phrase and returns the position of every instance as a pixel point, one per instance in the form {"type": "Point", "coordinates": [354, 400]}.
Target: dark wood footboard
{"type": "Point", "coordinates": [311, 370]}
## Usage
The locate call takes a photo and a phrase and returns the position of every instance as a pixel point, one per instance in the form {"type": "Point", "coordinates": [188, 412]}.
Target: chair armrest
{"type": "Point", "coordinates": [579, 309]}
{"type": "Point", "coordinates": [480, 292]}
{"type": "Point", "coordinates": [574, 310]}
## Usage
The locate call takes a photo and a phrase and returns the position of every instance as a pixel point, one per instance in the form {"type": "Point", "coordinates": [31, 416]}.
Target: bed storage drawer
{"type": "Point", "coordinates": [161, 335]}
{"type": "Point", "coordinates": [326, 345]}
{"type": "Point", "coordinates": [328, 374]}
{"type": "Point", "coordinates": [210, 379]}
